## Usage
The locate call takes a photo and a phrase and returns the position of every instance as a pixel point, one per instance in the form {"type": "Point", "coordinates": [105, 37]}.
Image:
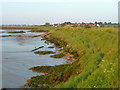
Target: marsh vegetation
{"type": "Point", "coordinates": [96, 54]}
{"type": "Point", "coordinates": [17, 32]}
{"type": "Point", "coordinates": [60, 55]}
{"type": "Point", "coordinates": [44, 52]}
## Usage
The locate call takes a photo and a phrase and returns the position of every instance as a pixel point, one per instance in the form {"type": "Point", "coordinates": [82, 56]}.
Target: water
{"type": "Point", "coordinates": [17, 58]}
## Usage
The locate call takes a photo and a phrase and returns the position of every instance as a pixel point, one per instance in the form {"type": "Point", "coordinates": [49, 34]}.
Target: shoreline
{"type": "Point", "coordinates": [68, 56]}
{"type": "Point", "coordinates": [93, 53]}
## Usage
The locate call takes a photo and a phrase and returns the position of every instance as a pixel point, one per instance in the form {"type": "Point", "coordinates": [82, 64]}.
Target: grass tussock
{"type": "Point", "coordinates": [17, 32]}
{"type": "Point", "coordinates": [53, 76]}
{"type": "Point", "coordinates": [44, 52]}
{"type": "Point", "coordinates": [60, 55]}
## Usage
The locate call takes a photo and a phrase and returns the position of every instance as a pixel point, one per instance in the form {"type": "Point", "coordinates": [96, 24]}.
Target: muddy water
{"type": "Point", "coordinates": [17, 58]}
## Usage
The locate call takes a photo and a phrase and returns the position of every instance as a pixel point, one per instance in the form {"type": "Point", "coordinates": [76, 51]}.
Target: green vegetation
{"type": "Point", "coordinates": [60, 55]}
{"type": "Point", "coordinates": [17, 32]}
{"type": "Point", "coordinates": [38, 30]}
{"type": "Point", "coordinates": [53, 76]}
{"type": "Point", "coordinates": [47, 24]}
{"type": "Point", "coordinates": [96, 51]}
{"type": "Point", "coordinates": [44, 52]}
{"type": "Point", "coordinates": [32, 28]}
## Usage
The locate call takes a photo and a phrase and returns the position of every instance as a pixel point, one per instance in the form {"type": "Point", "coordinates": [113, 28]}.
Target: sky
{"type": "Point", "coordinates": [58, 11]}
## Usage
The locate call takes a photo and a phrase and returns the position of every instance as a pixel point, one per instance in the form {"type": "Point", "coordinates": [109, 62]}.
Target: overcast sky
{"type": "Point", "coordinates": [58, 11]}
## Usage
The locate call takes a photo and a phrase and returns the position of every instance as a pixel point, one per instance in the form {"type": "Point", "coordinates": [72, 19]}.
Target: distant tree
{"type": "Point", "coordinates": [67, 22]}
{"type": "Point", "coordinates": [105, 23]}
{"type": "Point", "coordinates": [100, 23]}
{"type": "Point", "coordinates": [109, 23]}
{"type": "Point", "coordinates": [90, 23]}
{"type": "Point", "coordinates": [96, 22]}
{"type": "Point", "coordinates": [47, 24]}
{"type": "Point", "coordinates": [63, 24]}
{"type": "Point", "coordinates": [83, 23]}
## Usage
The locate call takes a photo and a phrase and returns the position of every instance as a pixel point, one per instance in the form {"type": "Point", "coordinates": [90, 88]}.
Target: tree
{"type": "Point", "coordinates": [67, 22]}
{"type": "Point", "coordinates": [109, 23]}
{"type": "Point", "coordinates": [83, 23]}
{"type": "Point", "coordinates": [96, 22]}
{"type": "Point", "coordinates": [105, 23]}
{"type": "Point", "coordinates": [90, 23]}
{"type": "Point", "coordinates": [47, 24]}
{"type": "Point", "coordinates": [100, 23]}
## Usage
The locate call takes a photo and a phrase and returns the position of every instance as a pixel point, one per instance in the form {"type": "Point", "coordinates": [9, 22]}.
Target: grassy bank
{"type": "Point", "coordinates": [97, 52]}
{"type": "Point", "coordinates": [32, 28]}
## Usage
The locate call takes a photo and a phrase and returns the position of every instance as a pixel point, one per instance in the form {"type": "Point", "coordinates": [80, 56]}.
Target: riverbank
{"type": "Point", "coordinates": [97, 58]}
{"type": "Point", "coordinates": [96, 64]}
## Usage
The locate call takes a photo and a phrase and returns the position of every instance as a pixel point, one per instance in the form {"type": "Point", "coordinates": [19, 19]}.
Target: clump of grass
{"type": "Point", "coordinates": [60, 50]}
{"type": "Point", "coordinates": [49, 69]}
{"type": "Point", "coordinates": [60, 55]}
{"type": "Point", "coordinates": [17, 32]}
{"type": "Point", "coordinates": [53, 76]}
{"type": "Point", "coordinates": [44, 52]}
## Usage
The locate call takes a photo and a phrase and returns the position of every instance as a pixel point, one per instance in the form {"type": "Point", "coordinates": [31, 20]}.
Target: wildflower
{"type": "Point", "coordinates": [105, 70]}
{"type": "Point", "coordinates": [103, 60]}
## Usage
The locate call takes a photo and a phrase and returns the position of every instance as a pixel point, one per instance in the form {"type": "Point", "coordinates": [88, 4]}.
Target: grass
{"type": "Point", "coordinates": [44, 52]}
{"type": "Point", "coordinates": [39, 30]}
{"type": "Point", "coordinates": [60, 55]}
{"type": "Point", "coordinates": [53, 76]}
{"type": "Point", "coordinates": [96, 50]}
{"type": "Point", "coordinates": [17, 32]}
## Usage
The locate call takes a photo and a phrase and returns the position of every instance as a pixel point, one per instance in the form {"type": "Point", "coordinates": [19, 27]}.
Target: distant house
{"type": "Point", "coordinates": [82, 25]}
{"type": "Point", "coordinates": [90, 25]}
{"type": "Point", "coordinates": [56, 25]}
{"type": "Point", "coordinates": [78, 24]}
{"type": "Point", "coordinates": [72, 24]}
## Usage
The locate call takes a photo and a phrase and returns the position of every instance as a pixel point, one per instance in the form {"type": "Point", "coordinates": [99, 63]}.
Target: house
{"type": "Point", "coordinates": [56, 25]}
{"type": "Point", "coordinates": [79, 24]}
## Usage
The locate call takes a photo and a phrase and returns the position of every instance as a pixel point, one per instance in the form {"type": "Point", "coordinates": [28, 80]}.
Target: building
{"type": "Point", "coordinates": [56, 25]}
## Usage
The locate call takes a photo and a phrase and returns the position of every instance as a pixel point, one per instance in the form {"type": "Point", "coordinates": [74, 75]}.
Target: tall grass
{"type": "Point", "coordinates": [97, 66]}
